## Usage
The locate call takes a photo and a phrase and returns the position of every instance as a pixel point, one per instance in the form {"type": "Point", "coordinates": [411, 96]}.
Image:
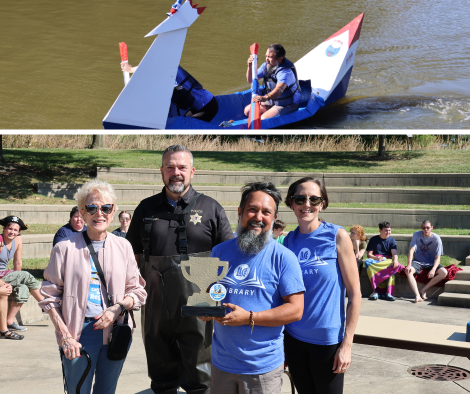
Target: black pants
{"type": "Point", "coordinates": [174, 344]}
{"type": "Point", "coordinates": [311, 367]}
{"type": "Point", "coordinates": [206, 113]}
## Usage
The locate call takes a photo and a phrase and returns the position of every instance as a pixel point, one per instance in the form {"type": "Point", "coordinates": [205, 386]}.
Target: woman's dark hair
{"type": "Point", "coordinates": [122, 213]}
{"type": "Point", "coordinates": [293, 190]}
{"type": "Point", "coordinates": [73, 212]}
{"type": "Point", "coordinates": [266, 187]}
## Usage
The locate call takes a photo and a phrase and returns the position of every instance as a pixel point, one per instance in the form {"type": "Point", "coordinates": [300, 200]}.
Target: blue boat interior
{"type": "Point", "coordinates": [231, 108]}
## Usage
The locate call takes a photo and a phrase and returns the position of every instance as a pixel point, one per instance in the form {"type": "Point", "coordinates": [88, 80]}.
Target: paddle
{"type": "Point", "coordinates": [125, 59]}
{"type": "Point", "coordinates": [255, 107]}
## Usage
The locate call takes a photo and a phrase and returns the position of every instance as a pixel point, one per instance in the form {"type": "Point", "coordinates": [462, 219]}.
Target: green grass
{"type": "Point", "coordinates": [39, 228]}
{"type": "Point", "coordinates": [26, 167]}
{"type": "Point", "coordinates": [445, 260]}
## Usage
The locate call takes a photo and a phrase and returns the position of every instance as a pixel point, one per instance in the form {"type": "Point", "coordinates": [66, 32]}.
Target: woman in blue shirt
{"type": "Point", "coordinates": [318, 347]}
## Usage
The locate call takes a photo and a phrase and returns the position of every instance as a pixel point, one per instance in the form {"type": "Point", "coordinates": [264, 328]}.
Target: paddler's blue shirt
{"type": "Point", "coordinates": [201, 96]}
{"type": "Point", "coordinates": [283, 76]}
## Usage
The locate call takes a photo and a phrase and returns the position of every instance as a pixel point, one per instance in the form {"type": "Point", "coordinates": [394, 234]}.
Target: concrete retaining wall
{"type": "Point", "coordinates": [30, 313]}
{"type": "Point", "coordinates": [286, 178]}
{"type": "Point", "coordinates": [402, 287]}
{"type": "Point", "coordinates": [228, 194]}
{"type": "Point", "coordinates": [399, 218]}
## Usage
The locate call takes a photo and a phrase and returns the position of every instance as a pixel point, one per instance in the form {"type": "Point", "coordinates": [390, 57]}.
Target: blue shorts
{"type": "Point", "coordinates": [420, 266]}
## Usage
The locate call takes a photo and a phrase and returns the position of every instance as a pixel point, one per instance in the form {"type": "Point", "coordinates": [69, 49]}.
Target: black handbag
{"type": "Point", "coordinates": [120, 335]}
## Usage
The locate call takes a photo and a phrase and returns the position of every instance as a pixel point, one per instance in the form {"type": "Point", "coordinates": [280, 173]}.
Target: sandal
{"type": "Point", "coordinates": [12, 335]}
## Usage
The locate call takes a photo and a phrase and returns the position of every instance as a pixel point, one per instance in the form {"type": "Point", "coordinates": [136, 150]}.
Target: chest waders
{"type": "Point", "coordinates": [177, 347]}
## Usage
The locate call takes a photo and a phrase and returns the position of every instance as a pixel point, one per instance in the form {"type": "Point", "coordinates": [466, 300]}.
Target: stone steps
{"type": "Point", "coordinates": [457, 292]}
{"type": "Point", "coordinates": [286, 178]}
{"type": "Point", "coordinates": [454, 299]}
{"type": "Point", "coordinates": [231, 194]}
{"type": "Point", "coordinates": [457, 286]}
{"type": "Point", "coordinates": [366, 217]}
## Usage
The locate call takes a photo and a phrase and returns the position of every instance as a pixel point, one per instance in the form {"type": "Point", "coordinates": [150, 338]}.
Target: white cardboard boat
{"type": "Point", "coordinates": [145, 102]}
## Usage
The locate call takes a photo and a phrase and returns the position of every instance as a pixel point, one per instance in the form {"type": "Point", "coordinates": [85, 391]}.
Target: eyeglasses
{"type": "Point", "coordinates": [314, 200]}
{"type": "Point", "coordinates": [106, 209]}
{"type": "Point", "coordinates": [125, 219]}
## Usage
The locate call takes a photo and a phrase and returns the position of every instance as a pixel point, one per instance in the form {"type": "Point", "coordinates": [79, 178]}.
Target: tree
{"type": "Point", "coordinates": [98, 142]}
{"type": "Point", "coordinates": [382, 139]}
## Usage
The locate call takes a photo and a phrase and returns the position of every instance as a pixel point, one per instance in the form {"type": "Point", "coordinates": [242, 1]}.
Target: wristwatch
{"type": "Point", "coordinates": [123, 308]}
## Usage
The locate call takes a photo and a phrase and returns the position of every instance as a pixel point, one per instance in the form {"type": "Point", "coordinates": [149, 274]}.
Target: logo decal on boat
{"type": "Point", "coordinates": [334, 48]}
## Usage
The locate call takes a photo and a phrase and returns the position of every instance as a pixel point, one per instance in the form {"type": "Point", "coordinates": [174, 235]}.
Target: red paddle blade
{"type": "Point", "coordinates": [123, 50]}
{"type": "Point", "coordinates": [254, 49]}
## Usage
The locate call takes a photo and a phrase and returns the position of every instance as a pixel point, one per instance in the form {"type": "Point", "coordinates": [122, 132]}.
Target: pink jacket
{"type": "Point", "coordinates": [67, 280]}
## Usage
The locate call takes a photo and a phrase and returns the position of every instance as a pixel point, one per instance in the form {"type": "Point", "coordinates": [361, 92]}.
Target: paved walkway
{"type": "Point", "coordinates": [32, 365]}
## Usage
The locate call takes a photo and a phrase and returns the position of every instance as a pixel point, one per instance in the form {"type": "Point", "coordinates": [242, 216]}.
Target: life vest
{"type": "Point", "coordinates": [270, 82]}
{"type": "Point", "coordinates": [182, 96]}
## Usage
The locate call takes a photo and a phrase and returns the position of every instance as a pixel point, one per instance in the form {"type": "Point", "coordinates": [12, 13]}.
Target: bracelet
{"type": "Point", "coordinates": [123, 308]}
{"type": "Point", "coordinates": [63, 340]}
{"type": "Point", "coordinates": [252, 322]}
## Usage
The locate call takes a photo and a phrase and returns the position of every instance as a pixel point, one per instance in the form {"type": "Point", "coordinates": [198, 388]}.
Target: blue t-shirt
{"type": "Point", "coordinates": [382, 246]}
{"type": "Point", "coordinates": [201, 96]}
{"type": "Point", "coordinates": [426, 248]}
{"type": "Point", "coordinates": [94, 303]}
{"type": "Point", "coordinates": [323, 320]}
{"type": "Point", "coordinates": [64, 232]}
{"type": "Point", "coordinates": [256, 283]}
{"type": "Point", "coordinates": [283, 76]}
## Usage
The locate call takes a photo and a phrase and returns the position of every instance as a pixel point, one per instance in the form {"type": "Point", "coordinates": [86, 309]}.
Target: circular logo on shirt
{"type": "Point", "coordinates": [241, 272]}
{"type": "Point", "coordinates": [218, 292]}
{"type": "Point", "coordinates": [304, 255]}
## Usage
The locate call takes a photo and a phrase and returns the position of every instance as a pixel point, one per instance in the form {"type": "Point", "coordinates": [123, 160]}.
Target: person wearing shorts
{"type": "Point", "coordinates": [281, 86]}
{"type": "Point", "coordinates": [426, 248]}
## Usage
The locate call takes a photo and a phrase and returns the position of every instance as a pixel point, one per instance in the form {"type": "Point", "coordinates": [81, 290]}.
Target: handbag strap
{"type": "Point", "coordinates": [97, 263]}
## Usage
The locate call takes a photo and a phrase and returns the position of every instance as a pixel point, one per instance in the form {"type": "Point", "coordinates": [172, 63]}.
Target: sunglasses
{"type": "Point", "coordinates": [125, 219]}
{"type": "Point", "coordinates": [314, 201]}
{"type": "Point", "coordinates": [106, 209]}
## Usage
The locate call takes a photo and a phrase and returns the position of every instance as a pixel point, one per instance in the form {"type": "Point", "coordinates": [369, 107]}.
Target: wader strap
{"type": "Point", "coordinates": [179, 217]}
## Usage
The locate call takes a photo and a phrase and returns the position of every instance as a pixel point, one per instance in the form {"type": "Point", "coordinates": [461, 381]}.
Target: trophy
{"type": "Point", "coordinates": [203, 273]}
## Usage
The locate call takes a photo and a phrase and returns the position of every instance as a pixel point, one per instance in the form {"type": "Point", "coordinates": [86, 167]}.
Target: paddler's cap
{"type": "Point", "coordinates": [13, 219]}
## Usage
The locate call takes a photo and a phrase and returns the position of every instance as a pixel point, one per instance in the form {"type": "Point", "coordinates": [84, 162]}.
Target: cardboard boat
{"type": "Point", "coordinates": [145, 102]}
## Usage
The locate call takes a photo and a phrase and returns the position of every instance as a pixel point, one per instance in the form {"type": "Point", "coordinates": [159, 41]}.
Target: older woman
{"type": "Point", "coordinates": [76, 299]}
{"type": "Point", "coordinates": [318, 347]}
{"type": "Point", "coordinates": [125, 220]}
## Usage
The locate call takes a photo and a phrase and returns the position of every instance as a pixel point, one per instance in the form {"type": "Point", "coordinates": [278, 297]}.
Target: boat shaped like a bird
{"type": "Point", "coordinates": [145, 102]}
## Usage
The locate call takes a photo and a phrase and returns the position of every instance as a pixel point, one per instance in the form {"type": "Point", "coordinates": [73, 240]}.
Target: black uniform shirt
{"type": "Point", "coordinates": [206, 225]}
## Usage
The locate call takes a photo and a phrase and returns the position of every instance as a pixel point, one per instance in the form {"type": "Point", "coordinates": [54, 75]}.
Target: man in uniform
{"type": "Point", "coordinates": [167, 228]}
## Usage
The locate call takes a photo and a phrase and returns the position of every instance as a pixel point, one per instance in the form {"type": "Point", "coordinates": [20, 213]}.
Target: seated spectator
{"type": "Point", "coordinates": [427, 249]}
{"type": "Point", "coordinates": [75, 225]}
{"type": "Point", "coordinates": [125, 220]}
{"type": "Point", "coordinates": [22, 283]}
{"type": "Point", "coordinates": [359, 241]}
{"type": "Point", "coordinates": [278, 231]}
{"type": "Point", "coordinates": [381, 271]}
{"type": "Point", "coordinates": [5, 333]}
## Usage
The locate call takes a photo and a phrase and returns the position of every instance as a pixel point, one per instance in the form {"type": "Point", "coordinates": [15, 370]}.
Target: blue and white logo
{"type": "Point", "coordinates": [218, 292]}
{"type": "Point", "coordinates": [334, 48]}
{"type": "Point", "coordinates": [306, 260]}
{"type": "Point", "coordinates": [241, 272]}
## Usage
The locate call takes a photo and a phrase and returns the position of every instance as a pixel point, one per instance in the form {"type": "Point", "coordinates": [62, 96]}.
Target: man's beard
{"type": "Point", "coordinates": [174, 188]}
{"type": "Point", "coordinates": [270, 69]}
{"type": "Point", "coordinates": [248, 241]}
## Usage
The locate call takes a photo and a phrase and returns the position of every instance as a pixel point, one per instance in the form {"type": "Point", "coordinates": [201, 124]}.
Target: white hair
{"type": "Point", "coordinates": [104, 189]}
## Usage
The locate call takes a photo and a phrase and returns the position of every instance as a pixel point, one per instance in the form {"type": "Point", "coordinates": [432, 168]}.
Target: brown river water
{"type": "Point", "coordinates": [59, 63]}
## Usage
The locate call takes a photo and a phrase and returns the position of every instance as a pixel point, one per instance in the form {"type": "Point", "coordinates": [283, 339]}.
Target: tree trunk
{"type": "Point", "coordinates": [2, 159]}
{"type": "Point", "coordinates": [98, 142]}
{"type": "Point", "coordinates": [382, 146]}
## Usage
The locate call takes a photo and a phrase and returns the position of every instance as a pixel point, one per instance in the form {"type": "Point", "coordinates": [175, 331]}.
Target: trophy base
{"type": "Point", "coordinates": [206, 311]}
